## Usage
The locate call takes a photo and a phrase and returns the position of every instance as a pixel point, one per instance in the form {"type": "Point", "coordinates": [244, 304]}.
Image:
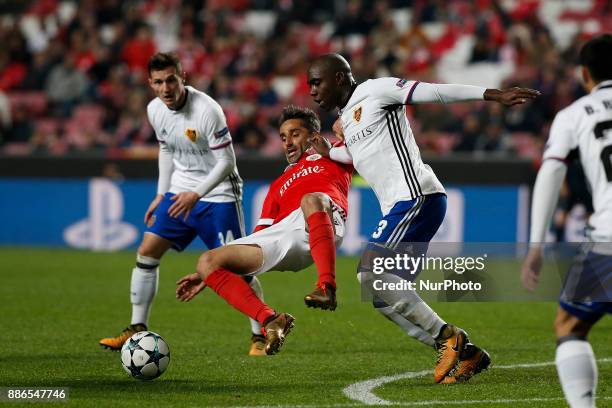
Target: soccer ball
{"type": "Point", "coordinates": [145, 355]}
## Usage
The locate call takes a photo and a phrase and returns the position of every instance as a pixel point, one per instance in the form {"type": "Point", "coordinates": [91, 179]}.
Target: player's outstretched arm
{"type": "Point", "coordinates": [511, 96]}
{"type": "Point", "coordinates": [189, 286]}
{"type": "Point", "coordinates": [448, 93]}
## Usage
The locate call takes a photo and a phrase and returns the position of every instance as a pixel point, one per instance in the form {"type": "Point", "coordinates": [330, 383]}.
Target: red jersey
{"type": "Point", "coordinates": [313, 173]}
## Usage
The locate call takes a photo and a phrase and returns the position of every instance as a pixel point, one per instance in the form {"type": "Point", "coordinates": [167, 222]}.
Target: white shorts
{"type": "Point", "coordinates": [285, 244]}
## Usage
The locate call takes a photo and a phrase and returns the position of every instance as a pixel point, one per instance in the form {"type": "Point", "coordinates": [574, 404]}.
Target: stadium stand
{"type": "Point", "coordinates": [73, 74]}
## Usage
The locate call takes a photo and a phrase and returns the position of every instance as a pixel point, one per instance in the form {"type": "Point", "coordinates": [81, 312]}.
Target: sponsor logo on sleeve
{"type": "Point", "coordinates": [401, 83]}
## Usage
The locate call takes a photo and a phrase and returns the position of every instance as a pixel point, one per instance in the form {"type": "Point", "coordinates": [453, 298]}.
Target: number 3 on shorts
{"type": "Point", "coordinates": [381, 227]}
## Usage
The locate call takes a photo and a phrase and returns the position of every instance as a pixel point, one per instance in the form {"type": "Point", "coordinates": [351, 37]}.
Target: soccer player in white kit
{"type": "Point", "coordinates": [199, 189]}
{"type": "Point", "coordinates": [584, 129]}
{"type": "Point", "coordinates": [379, 143]}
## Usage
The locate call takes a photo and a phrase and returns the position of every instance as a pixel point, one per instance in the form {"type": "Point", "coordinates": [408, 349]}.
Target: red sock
{"type": "Point", "coordinates": [322, 247]}
{"type": "Point", "coordinates": [239, 294]}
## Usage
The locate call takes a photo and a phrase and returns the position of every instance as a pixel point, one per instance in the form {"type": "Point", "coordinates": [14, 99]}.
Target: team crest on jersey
{"type": "Point", "coordinates": [191, 134]}
{"type": "Point", "coordinates": [357, 114]}
{"type": "Point", "coordinates": [313, 157]}
{"type": "Point", "coordinates": [401, 83]}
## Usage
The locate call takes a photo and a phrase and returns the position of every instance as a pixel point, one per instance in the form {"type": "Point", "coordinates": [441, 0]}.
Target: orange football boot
{"type": "Point", "coordinates": [472, 361]}
{"type": "Point", "coordinates": [449, 345]}
{"type": "Point", "coordinates": [115, 343]}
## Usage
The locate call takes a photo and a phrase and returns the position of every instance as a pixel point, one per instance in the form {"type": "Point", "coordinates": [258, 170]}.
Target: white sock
{"type": "Point", "coordinates": [143, 288]}
{"type": "Point", "coordinates": [256, 286]}
{"type": "Point", "coordinates": [577, 372]}
{"type": "Point", "coordinates": [409, 328]}
{"type": "Point", "coordinates": [407, 303]}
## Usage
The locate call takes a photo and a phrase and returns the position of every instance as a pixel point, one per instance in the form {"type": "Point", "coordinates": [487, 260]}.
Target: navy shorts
{"type": "Point", "coordinates": [415, 221]}
{"type": "Point", "coordinates": [587, 290]}
{"type": "Point", "coordinates": [411, 221]}
{"type": "Point", "coordinates": [214, 223]}
{"type": "Point", "coordinates": [589, 312]}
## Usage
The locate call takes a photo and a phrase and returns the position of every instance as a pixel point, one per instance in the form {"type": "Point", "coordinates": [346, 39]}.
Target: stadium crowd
{"type": "Point", "coordinates": [73, 74]}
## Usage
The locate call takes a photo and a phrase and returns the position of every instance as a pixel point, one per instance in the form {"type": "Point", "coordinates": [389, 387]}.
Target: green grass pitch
{"type": "Point", "coordinates": [56, 304]}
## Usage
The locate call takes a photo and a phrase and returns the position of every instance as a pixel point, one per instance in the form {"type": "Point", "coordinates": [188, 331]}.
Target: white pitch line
{"type": "Point", "coordinates": [412, 404]}
{"type": "Point", "coordinates": [363, 391]}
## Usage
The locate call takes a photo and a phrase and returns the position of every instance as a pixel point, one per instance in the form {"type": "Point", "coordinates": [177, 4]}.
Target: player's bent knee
{"type": "Point", "coordinates": [145, 250]}
{"type": "Point", "coordinates": [315, 201]}
{"type": "Point", "coordinates": [207, 263]}
{"type": "Point", "coordinates": [153, 246]}
{"type": "Point", "coordinates": [569, 325]}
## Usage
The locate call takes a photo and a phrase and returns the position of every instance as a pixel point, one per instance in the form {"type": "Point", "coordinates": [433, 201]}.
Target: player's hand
{"type": "Point", "coordinates": [189, 286]}
{"type": "Point", "coordinates": [152, 207]}
{"type": "Point", "coordinates": [320, 144]}
{"type": "Point", "coordinates": [511, 96]}
{"type": "Point", "coordinates": [530, 272]}
{"type": "Point", "coordinates": [183, 204]}
{"type": "Point", "coordinates": [337, 129]}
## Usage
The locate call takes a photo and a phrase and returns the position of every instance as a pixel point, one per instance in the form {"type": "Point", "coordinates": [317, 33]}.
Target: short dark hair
{"type": "Point", "coordinates": [308, 117]}
{"type": "Point", "coordinates": [163, 60]}
{"type": "Point", "coordinates": [596, 56]}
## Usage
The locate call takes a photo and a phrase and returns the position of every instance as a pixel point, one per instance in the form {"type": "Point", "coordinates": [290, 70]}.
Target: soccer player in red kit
{"type": "Point", "coordinates": [302, 222]}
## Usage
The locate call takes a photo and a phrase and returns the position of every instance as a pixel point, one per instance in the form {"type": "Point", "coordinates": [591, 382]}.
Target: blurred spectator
{"type": "Point", "coordinates": [66, 85]}
{"type": "Point", "coordinates": [355, 20]}
{"type": "Point", "coordinates": [267, 96]}
{"type": "Point", "coordinates": [494, 140]}
{"type": "Point", "coordinates": [90, 58]}
{"type": "Point", "coordinates": [138, 49]}
{"type": "Point", "coordinates": [38, 72]}
{"type": "Point", "coordinates": [49, 140]}
{"type": "Point", "coordinates": [12, 73]}
{"type": "Point", "coordinates": [5, 117]}
{"type": "Point", "coordinates": [416, 46]}
{"type": "Point", "coordinates": [484, 49]}
{"type": "Point", "coordinates": [469, 134]}
{"type": "Point", "coordinates": [22, 128]}
{"type": "Point", "coordinates": [436, 117]}
{"type": "Point", "coordinates": [133, 126]}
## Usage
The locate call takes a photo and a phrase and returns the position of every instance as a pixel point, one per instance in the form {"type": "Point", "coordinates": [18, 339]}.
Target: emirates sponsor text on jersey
{"type": "Point", "coordinates": [303, 172]}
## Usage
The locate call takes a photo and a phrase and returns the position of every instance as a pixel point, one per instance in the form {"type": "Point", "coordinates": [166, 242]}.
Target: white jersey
{"type": "Point", "coordinates": [192, 134]}
{"type": "Point", "coordinates": [585, 128]}
{"type": "Point", "coordinates": [381, 143]}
